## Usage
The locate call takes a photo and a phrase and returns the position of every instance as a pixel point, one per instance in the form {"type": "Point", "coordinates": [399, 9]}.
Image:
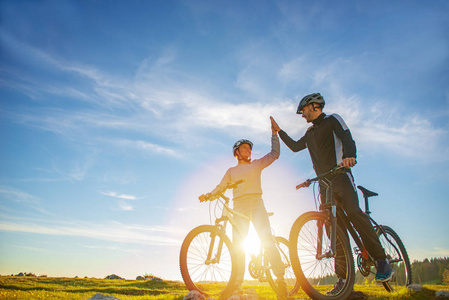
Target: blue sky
{"type": "Point", "coordinates": [116, 115]}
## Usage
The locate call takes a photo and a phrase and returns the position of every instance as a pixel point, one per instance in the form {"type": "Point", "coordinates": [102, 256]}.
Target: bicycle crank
{"type": "Point", "coordinates": [255, 269]}
{"type": "Point", "coordinates": [364, 265]}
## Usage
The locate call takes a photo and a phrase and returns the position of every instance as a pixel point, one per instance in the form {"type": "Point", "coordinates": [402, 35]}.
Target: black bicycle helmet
{"type": "Point", "coordinates": [239, 143]}
{"type": "Point", "coordinates": [312, 98]}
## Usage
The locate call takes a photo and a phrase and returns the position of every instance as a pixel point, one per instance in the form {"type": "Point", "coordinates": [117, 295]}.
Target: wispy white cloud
{"type": "Point", "coordinates": [122, 205]}
{"type": "Point", "coordinates": [137, 252]}
{"type": "Point", "coordinates": [120, 196]}
{"type": "Point", "coordinates": [114, 231]}
{"type": "Point", "coordinates": [180, 110]}
{"type": "Point", "coordinates": [27, 201]}
{"type": "Point", "coordinates": [18, 195]}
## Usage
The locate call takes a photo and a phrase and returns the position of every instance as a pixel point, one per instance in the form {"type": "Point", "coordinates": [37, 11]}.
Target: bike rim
{"type": "Point", "coordinates": [319, 276]}
{"type": "Point", "coordinates": [208, 275]}
{"type": "Point", "coordinates": [396, 258]}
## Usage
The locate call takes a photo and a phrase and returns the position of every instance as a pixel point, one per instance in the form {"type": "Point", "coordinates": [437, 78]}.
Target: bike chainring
{"type": "Point", "coordinates": [255, 269]}
{"type": "Point", "coordinates": [363, 265]}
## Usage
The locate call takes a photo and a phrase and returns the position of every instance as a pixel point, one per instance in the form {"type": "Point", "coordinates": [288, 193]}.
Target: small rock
{"type": "Point", "coordinates": [140, 278]}
{"type": "Point", "coordinates": [248, 294]}
{"type": "Point", "coordinates": [99, 296]}
{"type": "Point", "coordinates": [155, 279]}
{"type": "Point", "coordinates": [113, 276]}
{"type": "Point", "coordinates": [194, 295]}
{"type": "Point", "coordinates": [415, 287]}
{"type": "Point", "coordinates": [442, 294]}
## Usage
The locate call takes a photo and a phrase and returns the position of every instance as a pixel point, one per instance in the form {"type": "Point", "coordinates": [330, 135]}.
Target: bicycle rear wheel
{"type": "Point", "coordinates": [398, 257]}
{"type": "Point", "coordinates": [292, 283]}
{"type": "Point", "coordinates": [207, 261]}
{"type": "Point", "coordinates": [318, 275]}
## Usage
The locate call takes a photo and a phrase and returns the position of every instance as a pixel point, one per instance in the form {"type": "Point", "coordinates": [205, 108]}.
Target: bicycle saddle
{"type": "Point", "coordinates": [367, 193]}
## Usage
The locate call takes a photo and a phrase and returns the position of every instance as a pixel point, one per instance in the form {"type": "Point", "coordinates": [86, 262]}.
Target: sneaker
{"type": "Point", "coordinates": [282, 292]}
{"type": "Point", "coordinates": [337, 287]}
{"type": "Point", "coordinates": [238, 291]}
{"type": "Point", "coordinates": [384, 271]}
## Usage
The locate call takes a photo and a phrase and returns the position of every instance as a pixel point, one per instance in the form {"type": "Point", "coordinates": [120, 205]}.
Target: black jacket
{"type": "Point", "coordinates": [328, 140]}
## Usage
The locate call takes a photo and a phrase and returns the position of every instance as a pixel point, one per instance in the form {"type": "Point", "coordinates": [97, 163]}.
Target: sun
{"type": "Point", "coordinates": [251, 244]}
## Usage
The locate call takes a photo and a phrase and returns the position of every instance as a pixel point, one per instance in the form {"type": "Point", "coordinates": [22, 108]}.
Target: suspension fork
{"type": "Point", "coordinates": [319, 246]}
{"type": "Point", "coordinates": [331, 210]}
{"type": "Point", "coordinates": [216, 259]}
{"type": "Point", "coordinates": [333, 217]}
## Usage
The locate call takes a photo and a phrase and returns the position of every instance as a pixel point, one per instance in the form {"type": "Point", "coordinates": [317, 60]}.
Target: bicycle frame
{"type": "Point", "coordinates": [330, 208]}
{"type": "Point", "coordinates": [227, 215]}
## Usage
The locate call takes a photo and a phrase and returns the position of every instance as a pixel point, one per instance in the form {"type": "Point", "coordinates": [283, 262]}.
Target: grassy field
{"type": "Point", "coordinates": [82, 289]}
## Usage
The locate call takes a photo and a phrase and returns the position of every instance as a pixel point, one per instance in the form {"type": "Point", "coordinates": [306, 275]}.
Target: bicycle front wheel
{"type": "Point", "coordinates": [317, 272]}
{"type": "Point", "coordinates": [397, 256]}
{"type": "Point", "coordinates": [282, 245]}
{"type": "Point", "coordinates": [207, 261]}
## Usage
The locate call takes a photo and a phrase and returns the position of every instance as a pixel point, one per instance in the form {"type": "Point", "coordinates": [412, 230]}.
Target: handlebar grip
{"type": "Point", "coordinates": [304, 184]}
{"type": "Point", "coordinates": [204, 198]}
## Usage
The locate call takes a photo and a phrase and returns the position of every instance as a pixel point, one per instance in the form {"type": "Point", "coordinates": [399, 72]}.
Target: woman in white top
{"type": "Point", "coordinates": [247, 198]}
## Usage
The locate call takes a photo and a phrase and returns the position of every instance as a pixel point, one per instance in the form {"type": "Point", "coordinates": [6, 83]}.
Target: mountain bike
{"type": "Point", "coordinates": [320, 248]}
{"type": "Point", "coordinates": [208, 260]}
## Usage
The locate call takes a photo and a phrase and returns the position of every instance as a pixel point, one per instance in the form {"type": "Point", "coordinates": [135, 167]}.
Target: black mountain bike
{"type": "Point", "coordinates": [319, 247]}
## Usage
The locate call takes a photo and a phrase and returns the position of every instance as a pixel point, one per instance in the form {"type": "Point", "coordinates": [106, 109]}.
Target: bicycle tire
{"type": "Point", "coordinates": [208, 278]}
{"type": "Point", "coordinates": [317, 276]}
{"type": "Point", "coordinates": [289, 277]}
{"type": "Point", "coordinates": [399, 261]}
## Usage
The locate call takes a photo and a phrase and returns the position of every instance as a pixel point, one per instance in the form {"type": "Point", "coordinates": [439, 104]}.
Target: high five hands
{"type": "Point", "coordinates": [274, 126]}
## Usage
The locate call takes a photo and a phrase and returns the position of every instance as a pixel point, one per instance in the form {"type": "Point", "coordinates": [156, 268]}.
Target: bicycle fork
{"type": "Point", "coordinates": [210, 259]}
{"type": "Point", "coordinates": [331, 209]}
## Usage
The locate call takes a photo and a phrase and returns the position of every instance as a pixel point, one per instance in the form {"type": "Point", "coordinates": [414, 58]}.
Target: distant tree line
{"type": "Point", "coordinates": [433, 271]}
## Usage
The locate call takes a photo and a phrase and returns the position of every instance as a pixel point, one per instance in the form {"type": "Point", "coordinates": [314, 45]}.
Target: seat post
{"type": "Point", "coordinates": [367, 211]}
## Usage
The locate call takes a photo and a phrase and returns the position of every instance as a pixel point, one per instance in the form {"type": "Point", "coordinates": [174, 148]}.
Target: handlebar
{"type": "Point", "coordinates": [220, 192]}
{"type": "Point", "coordinates": [334, 171]}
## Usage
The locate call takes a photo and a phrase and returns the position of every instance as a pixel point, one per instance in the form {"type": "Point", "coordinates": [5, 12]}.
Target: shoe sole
{"type": "Point", "coordinates": [386, 279]}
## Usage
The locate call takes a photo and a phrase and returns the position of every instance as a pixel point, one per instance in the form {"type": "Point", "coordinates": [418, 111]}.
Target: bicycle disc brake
{"type": "Point", "coordinates": [255, 269]}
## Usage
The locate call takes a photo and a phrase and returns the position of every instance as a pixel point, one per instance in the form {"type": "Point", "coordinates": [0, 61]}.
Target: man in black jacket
{"type": "Point", "coordinates": [330, 144]}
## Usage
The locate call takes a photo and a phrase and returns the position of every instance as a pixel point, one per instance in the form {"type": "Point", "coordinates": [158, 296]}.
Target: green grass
{"type": "Point", "coordinates": [69, 288]}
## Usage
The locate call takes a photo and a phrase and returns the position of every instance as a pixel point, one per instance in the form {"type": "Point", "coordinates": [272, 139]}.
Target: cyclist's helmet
{"type": "Point", "coordinates": [312, 98]}
{"type": "Point", "coordinates": [239, 143]}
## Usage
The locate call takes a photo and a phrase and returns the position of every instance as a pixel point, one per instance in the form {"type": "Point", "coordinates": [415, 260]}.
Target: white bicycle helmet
{"type": "Point", "coordinates": [241, 142]}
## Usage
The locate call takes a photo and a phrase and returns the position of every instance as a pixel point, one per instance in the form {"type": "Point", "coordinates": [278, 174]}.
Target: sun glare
{"type": "Point", "coordinates": [252, 242]}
